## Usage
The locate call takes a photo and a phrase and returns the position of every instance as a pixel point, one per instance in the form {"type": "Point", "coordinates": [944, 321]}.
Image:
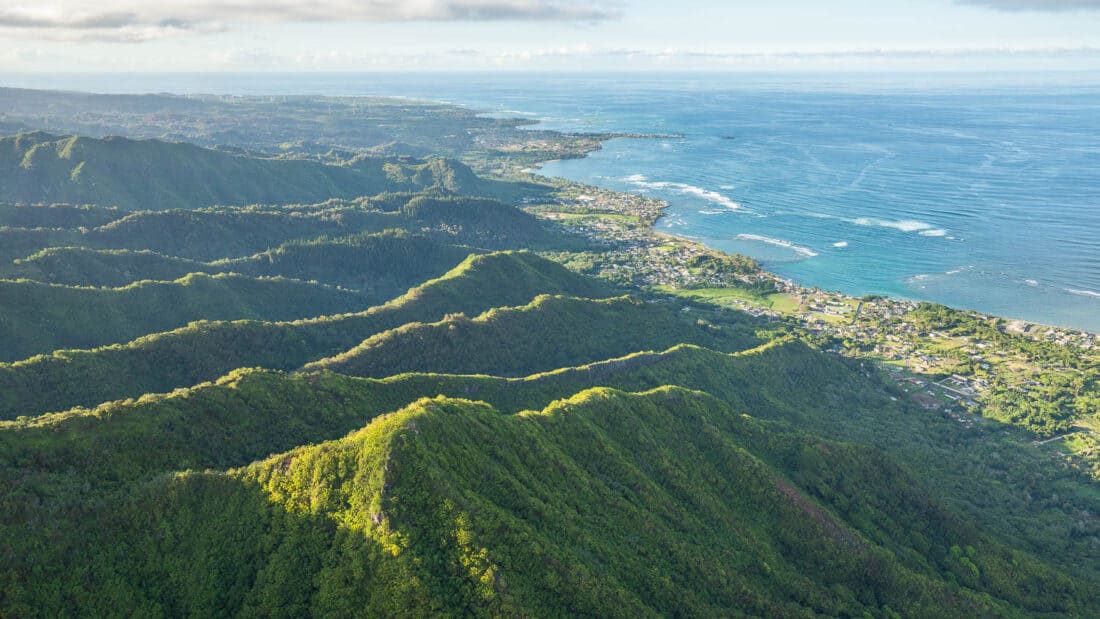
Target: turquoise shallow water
{"type": "Point", "coordinates": [980, 192]}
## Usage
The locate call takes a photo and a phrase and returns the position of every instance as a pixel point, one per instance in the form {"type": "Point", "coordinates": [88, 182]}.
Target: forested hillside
{"type": "Point", "coordinates": [38, 167]}
{"type": "Point", "coordinates": [205, 350]}
{"type": "Point", "coordinates": [224, 233]}
{"type": "Point", "coordinates": [39, 318]}
{"type": "Point", "coordinates": [238, 385]}
{"type": "Point", "coordinates": [378, 265]}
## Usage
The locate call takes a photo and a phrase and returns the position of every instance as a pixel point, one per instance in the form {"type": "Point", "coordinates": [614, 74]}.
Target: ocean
{"type": "Point", "coordinates": [975, 191]}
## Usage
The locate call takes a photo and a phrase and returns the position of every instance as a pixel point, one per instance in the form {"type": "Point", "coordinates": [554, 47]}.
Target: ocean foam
{"type": "Point", "coordinates": [798, 249]}
{"type": "Point", "coordinates": [905, 225]}
{"type": "Point", "coordinates": [936, 232]}
{"type": "Point", "coordinates": [710, 196]}
{"type": "Point", "coordinates": [840, 244]}
{"type": "Point", "coordinates": [1083, 293]}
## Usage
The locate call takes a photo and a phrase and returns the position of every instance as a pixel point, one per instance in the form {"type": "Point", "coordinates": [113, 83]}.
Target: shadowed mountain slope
{"type": "Point", "coordinates": [380, 266]}
{"type": "Point", "coordinates": [37, 318]}
{"type": "Point", "coordinates": [206, 350]}
{"type": "Point", "coordinates": [550, 332]}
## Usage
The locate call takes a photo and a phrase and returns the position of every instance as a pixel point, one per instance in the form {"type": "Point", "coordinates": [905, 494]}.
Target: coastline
{"type": "Point", "coordinates": [974, 368]}
{"type": "Point", "coordinates": [1019, 324]}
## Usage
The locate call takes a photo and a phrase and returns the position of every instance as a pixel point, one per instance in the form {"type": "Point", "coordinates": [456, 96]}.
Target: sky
{"type": "Point", "coordinates": [550, 35]}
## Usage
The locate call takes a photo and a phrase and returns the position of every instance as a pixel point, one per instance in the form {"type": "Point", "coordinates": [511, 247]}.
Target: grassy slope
{"type": "Point", "coordinates": [206, 350]}
{"type": "Point", "coordinates": [607, 504]}
{"type": "Point", "coordinates": [37, 318]}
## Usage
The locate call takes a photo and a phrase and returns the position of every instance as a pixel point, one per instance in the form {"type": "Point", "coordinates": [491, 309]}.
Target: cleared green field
{"type": "Point", "coordinates": [779, 301]}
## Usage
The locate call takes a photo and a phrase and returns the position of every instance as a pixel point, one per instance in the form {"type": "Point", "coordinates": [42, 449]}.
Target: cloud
{"type": "Point", "coordinates": [1035, 5]}
{"type": "Point", "coordinates": [688, 59]}
{"type": "Point", "coordinates": [139, 20]}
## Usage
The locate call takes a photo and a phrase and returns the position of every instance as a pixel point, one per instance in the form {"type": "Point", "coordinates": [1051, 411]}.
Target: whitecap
{"type": "Point", "coordinates": [1031, 282]}
{"type": "Point", "coordinates": [726, 187]}
{"type": "Point", "coordinates": [905, 225]}
{"type": "Point", "coordinates": [1083, 293]}
{"type": "Point", "coordinates": [936, 232]}
{"type": "Point", "coordinates": [798, 249]}
{"type": "Point", "coordinates": [841, 244]}
{"type": "Point", "coordinates": [641, 180]}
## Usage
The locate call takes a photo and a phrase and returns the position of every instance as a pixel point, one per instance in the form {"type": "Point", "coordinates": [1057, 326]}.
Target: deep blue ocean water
{"type": "Point", "coordinates": [979, 192]}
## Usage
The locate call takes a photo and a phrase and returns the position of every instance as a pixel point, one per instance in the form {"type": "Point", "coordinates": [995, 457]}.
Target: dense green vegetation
{"type": "Point", "coordinates": [155, 175]}
{"type": "Point", "coordinates": [38, 318]}
{"type": "Point", "coordinates": [319, 413]}
{"type": "Point", "coordinates": [224, 233]}
{"type": "Point", "coordinates": [550, 332]}
{"type": "Point", "coordinates": [458, 508]}
{"type": "Point", "coordinates": [379, 266]}
{"type": "Point", "coordinates": [337, 127]}
{"type": "Point", "coordinates": [56, 216]}
{"type": "Point", "coordinates": [205, 350]}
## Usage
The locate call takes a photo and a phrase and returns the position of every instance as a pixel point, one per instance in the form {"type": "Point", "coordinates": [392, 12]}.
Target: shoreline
{"type": "Point", "coordinates": [1020, 324]}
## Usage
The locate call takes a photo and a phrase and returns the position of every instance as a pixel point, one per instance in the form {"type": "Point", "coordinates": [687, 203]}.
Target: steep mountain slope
{"type": "Point", "coordinates": [37, 318]}
{"type": "Point", "coordinates": [606, 504]}
{"type": "Point", "coordinates": [56, 216]}
{"type": "Point", "coordinates": [550, 332]}
{"type": "Point", "coordinates": [380, 266]}
{"type": "Point", "coordinates": [156, 175]}
{"type": "Point", "coordinates": [206, 350]}
{"type": "Point", "coordinates": [112, 268]}
{"type": "Point", "coordinates": [1025, 499]}
{"type": "Point", "coordinates": [16, 242]}
{"type": "Point", "coordinates": [227, 233]}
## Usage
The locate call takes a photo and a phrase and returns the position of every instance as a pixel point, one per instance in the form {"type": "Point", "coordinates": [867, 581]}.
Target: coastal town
{"type": "Point", "coordinates": [975, 369]}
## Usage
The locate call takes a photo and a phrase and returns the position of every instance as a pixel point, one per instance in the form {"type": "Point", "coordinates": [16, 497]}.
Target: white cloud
{"type": "Point", "coordinates": [139, 20]}
{"type": "Point", "coordinates": [734, 57]}
{"type": "Point", "coordinates": [1035, 5]}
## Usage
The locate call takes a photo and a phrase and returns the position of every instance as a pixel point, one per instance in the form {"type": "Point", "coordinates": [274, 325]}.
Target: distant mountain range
{"type": "Point", "coordinates": [38, 167]}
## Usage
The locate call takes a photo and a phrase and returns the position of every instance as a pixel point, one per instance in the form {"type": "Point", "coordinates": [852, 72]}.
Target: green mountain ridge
{"type": "Point", "coordinates": [56, 216]}
{"type": "Point", "coordinates": [379, 265]}
{"type": "Point", "coordinates": [606, 503]}
{"type": "Point", "coordinates": [251, 413]}
{"type": "Point", "coordinates": [225, 233]}
{"type": "Point", "coordinates": [547, 333]}
{"type": "Point", "coordinates": [205, 350]}
{"type": "Point", "coordinates": [37, 318]}
{"type": "Point", "coordinates": [157, 175]}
